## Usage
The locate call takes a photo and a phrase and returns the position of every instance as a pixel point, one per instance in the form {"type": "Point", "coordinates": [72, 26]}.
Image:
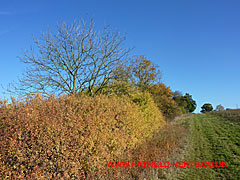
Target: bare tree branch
{"type": "Point", "coordinates": [75, 58]}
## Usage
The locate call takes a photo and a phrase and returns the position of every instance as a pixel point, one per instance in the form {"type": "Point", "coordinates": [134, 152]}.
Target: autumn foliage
{"type": "Point", "coordinates": [72, 137]}
{"type": "Point", "coordinates": [163, 97]}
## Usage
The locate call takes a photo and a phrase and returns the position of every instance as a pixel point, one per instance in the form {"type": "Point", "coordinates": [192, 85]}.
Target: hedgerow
{"type": "Point", "coordinates": [72, 137]}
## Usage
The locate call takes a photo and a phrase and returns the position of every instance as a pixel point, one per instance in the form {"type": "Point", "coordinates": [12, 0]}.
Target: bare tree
{"type": "Point", "coordinates": [74, 59]}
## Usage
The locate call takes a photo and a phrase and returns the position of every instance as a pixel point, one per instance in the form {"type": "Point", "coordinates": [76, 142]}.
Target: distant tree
{"type": "Point", "coordinates": [73, 59]}
{"type": "Point", "coordinates": [219, 108]}
{"type": "Point", "coordinates": [186, 101]}
{"type": "Point", "coordinates": [207, 107]}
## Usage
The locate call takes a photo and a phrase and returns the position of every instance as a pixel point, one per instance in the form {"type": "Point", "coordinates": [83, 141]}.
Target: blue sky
{"type": "Point", "coordinates": [196, 43]}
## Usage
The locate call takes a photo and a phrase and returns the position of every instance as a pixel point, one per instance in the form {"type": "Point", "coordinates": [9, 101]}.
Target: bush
{"type": "Point", "coordinates": [72, 137]}
{"type": "Point", "coordinates": [146, 104]}
{"type": "Point", "coordinates": [163, 97]}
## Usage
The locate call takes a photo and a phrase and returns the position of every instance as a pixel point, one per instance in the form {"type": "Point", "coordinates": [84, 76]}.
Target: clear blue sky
{"type": "Point", "coordinates": [196, 43]}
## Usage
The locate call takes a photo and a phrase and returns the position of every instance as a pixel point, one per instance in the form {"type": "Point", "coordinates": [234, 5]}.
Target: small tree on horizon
{"type": "Point", "coordinates": [207, 107]}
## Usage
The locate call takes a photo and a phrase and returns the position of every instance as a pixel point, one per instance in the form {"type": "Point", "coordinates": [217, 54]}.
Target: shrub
{"type": "Point", "coordinates": [72, 137]}
{"type": "Point", "coordinates": [163, 97]}
{"type": "Point", "coordinates": [151, 112]}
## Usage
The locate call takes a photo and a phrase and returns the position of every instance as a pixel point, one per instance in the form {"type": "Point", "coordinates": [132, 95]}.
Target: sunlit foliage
{"type": "Point", "coordinates": [72, 137]}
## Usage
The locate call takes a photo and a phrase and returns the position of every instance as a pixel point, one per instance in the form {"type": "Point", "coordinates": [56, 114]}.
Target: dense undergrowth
{"type": "Point", "coordinates": [73, 137]}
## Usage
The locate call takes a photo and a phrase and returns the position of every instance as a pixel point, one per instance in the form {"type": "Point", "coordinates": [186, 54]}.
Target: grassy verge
{"type": "Point", "coordinates": [211, 138]}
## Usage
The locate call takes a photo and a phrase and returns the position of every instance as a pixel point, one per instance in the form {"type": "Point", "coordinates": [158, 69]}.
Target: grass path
{"type": "Point", "coordinates": [211, 138]}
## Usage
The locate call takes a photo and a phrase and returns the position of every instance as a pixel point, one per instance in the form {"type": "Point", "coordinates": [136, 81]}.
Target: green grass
{"type": "Point", "coordinates": [211, 138]}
